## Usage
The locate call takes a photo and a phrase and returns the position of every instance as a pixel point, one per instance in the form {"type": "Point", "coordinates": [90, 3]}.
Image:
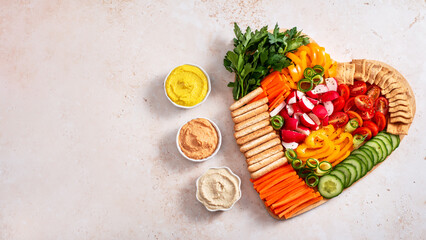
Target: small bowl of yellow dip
{"type": "Point", "coordinates": [187, 86]}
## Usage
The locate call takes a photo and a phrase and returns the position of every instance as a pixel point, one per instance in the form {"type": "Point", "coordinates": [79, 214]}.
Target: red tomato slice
{"type": "Point", "coordinates": [373, 92]}
{"type": "Point", "coordinates": [381, 105]}
{"type": "Point", "coordinates": [355, 115]}
{"type": "Point", "coordinates": [380, 120]}
{"type": "Point", "coordinates": [367, 115]}
{"type": "Point", "coordinates": [372, 126]}
{"type": "Point", "coordinates": [364, 102]}
{"type": "Point", "coordinates": [350, 105]}
{"type": "Point", "coordinates": [359, 88]}
{"type": "Point", "coordinates": [363, 131]}
{"type": "Point", "coordinates": [344, 91]}
{"type": "Point", "coordinates": [338, 104]}
{"type": "Point", "coordinates": [338, 119]}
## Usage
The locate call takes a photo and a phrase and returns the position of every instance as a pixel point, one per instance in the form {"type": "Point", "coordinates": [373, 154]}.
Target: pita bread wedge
{"type": "Point", "coordinates": [397, 97]}
{"type": "Point", "coordinates": [373, 73]}
{"type": "Point", "coordinates": [399, 108]}
{"type": "Point", "coordinates": [386, 79]}
{"type": "Point", "coordinates": [390, 80]}
{"type": "Point", "coordinates": [402, 102]}
{"type": "Point", "coordinates": [380, 75]}
{"type": "Point", "coordinates": [401, 120]}
{"type": "Point", "coordinates": [389, 88]}
{"type": "Point", "coordinates": [398, 128]}
{"type": "Point", "coordinates": [340, 72]}
{"type": "Point", "coordinates": [349, 73]}
{"type": "Point", "coordinates": [359, 68]}
{"type": "Point", "coordinates": [397, 90]}
{"type": "Point", "coordinates": [368, 65]}
{"type": "Point", "coordinates": [402, 114]}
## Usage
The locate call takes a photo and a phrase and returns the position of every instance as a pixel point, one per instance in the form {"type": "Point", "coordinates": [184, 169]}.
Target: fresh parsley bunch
{"type": "Point", "coordinates": [256, 53]}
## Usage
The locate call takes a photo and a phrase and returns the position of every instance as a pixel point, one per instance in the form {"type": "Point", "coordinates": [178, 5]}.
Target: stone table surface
{"type": "Point", "coordinates": [87, 136]}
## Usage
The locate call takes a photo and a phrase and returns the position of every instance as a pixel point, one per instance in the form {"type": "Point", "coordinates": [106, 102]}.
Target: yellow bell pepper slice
{"type": "Point", "coordinates": [303, 60]}
{"type": "Point", "coordinates": [293, 73]}
{"type": "Point", "coordinates": [294, 58]}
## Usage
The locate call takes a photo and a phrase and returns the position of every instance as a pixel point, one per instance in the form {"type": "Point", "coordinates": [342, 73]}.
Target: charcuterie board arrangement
{"type": "Point", "coordinates": [310, 126]}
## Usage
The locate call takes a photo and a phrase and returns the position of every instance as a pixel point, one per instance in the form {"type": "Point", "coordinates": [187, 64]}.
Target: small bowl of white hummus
{"type": "Point", "coordinates": [218, 189]}
{"type": "Point", "coordinates": [199, 139]}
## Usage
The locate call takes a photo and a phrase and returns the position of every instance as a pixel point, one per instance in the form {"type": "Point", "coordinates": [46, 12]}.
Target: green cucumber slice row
{"type": "Point", "coordinates": [364, 167]}
{"type": "Point", "coordinates": [339, 174]}
{"type": "Point", "coordinates": [383, 148]}
{"type": "Point", "coordinates": [365, 157]}
{"type": "Point", "coordinates": [357, 166]}
{"type": "Point", "coordinates": [353, 171]}
{"type": "Point", "coordinates": [345, 172]}
{"type": "Point", "coordinates": [377, 147]}
{"type": "Point", "coordinates": [372, 151]}
{"type": "Point", "coordinates": [387, 142]}
{"type": "Point", "coordinates": [330, 186]}
{"type": "Point", "coordinates": [395, 141]}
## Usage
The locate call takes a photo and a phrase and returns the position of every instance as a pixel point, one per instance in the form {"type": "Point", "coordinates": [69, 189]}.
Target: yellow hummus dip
{"type": "Point", "coordinates": [187, 85]}
{"type": "Point", "coordinates": [218, 189]}
{"type": "Point", "coordinates": [198, 138]}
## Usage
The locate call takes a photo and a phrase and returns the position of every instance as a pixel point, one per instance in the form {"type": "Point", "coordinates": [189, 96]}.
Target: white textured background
{"type": "Point", "coordinates": [87, 137]}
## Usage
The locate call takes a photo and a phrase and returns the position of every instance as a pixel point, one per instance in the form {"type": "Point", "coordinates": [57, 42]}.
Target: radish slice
{"type": "Point", "coordinates": [331, 84]}
{"type": "Point", "coordinates": [291, 145]}
{"type": "Point", "coordinates": [325, 121]}
{"type": "Point", "coordinates": [305, 105]}
{"type": "Point", "coordinates": [284, 114]}
{"type": "Point", "coordinates": [292, 136]}
{"type": "Point", "coordinates": [313, 101]}
{"type": "Point", "coordinates": [290, 109]}
{"type": "Point", "coordinates": [307, 121]}
{"type": "Point", "coordinates": [304, 130]}
{"type": "Point", "coordinates": [320, 88]}
{"type": "Point", "coordinates": [291, 124]}
{"type": "Point", "coordinates": [312, 95]}
{"type": "Point", "coordinates": [299, 95]}
{"type": "Point", "coordinates": [297, 108]}
{"type": "Point", "coordinates": [277, 109]}
{"type": "Point", "coordinates": [329, 107]}
{"type": "Point", "coordinates": [320, 111]}
{"type": "Point", "coordinates": [291, 99]}
{"type": "Point", "coordinates": [297, 115]}
{"type": "Point", "coordinates": [329, 96]}
{"type": "Point", "coordinates": [314, 118]}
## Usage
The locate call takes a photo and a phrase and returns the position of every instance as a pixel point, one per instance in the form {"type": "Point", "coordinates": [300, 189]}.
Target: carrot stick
{"type": "Point", "coordinates": [276, 102]}
{"type": "Point", "coordinates": [306, 204]}
{"type": "Point", "coordinates": [269, 175]}
{"type": "Point", "coordinates": [260, 96]}
{"type": "Point", "coordinates": [291, 180]}
{"type": "Point", "coordinates": [293, 204]}
{"type": "Point", "coordinates": [268, 79]}
{"type": "Point", "coordinates": [262, 186]}
{"type": "Point", "coordinates": [292, 196]}
{"type": "Point", "coordinates": [276, 93]}
{"type": "Point", "coordinates": [277, 180]}
{"type": "Point", "coordinates": [272, 199]}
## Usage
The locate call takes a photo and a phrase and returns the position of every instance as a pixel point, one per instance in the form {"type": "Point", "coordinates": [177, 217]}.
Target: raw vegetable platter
{"type": "Point", "coordinates": [309, 126]}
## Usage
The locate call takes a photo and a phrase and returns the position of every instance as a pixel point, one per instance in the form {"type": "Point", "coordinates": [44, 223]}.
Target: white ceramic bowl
{"type": "Point", "coordinates": [219, 142]}
{"type": "Point", "coordinates": [239, 187]}
{"type": "Point", "coordinates": [208, 89]}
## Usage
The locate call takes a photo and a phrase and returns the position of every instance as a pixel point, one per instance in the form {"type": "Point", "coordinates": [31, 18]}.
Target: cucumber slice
{"type": "Point", "coordinates": [357, 166]}
{"type": "Point", "coordinates": [330, 186]}
{"type": "Point", "coordinates": [395, 141]}
{"type": "Point", "coordinates": [339, 174]}
{"type": "Point", "coordinates": [383, 148]}
{"type": "Point", "coordinates": [363, 156]}
{"type": "Point", "coordinates": [352, 170]}
{"type": "Point", "coordinates": [345, 172]}
{"type": "Point", "coordinates": [377, 147]}
{"type": "Point", "coordinates": [364, 168]}
{"type": "Point", "coordinates": [372, 152]}
{"type": "Point", "coordinates": [386, 141]}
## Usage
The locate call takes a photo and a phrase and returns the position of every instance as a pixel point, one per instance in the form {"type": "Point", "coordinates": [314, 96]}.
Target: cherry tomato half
{"type": "Point", "coordinates": [363, 131]}
{"type": "Point", "coordinates": [338, 104]}
{"type": "Point", "coordinates": [380, 120]}
{"type": "Point", "coordinates": [350, 105]}
{"type": "Point", "coordinates": [338, 119]}
{"type": "Point", "coordinates": [381, 105]}
{"type": "Point", "coordinates": [359, 88]}
{"type": "Point", "coordinates": [373, 92]}
{"type": "Point", "coordinates": [366, 115]}
{"type": "Point", "coordinates": [355, 115]}
{"type": "Point", "coordinates": [364, 102]}
{"type": "Point", "coordinates": [344, 91]}
{"type": "Point", "coordinates": [372, 126]}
